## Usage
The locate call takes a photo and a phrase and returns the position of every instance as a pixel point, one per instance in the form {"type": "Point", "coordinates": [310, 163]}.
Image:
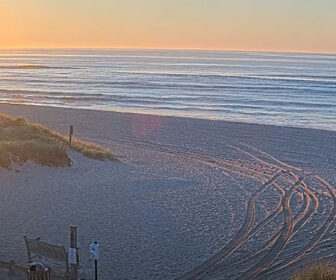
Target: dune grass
{"type": "Point", "coordinates": [317, 272]}
{"type": "Point", "coordinates": [21, 141]}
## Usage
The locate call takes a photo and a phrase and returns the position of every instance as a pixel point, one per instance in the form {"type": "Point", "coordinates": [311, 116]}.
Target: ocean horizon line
{"type": "Point", "coordinates": [169, 49]}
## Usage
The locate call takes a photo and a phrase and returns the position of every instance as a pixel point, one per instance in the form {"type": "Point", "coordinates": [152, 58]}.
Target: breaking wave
{"type": "Point", "coordinates": [269, 88]}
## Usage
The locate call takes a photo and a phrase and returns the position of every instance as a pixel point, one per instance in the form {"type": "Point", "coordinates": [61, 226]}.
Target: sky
{"type": "Point", "coordinates": [259, 25]}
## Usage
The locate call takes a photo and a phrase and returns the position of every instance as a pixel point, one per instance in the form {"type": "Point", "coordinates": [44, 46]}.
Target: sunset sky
{"type": "Point", "coordinates": [283, 25]}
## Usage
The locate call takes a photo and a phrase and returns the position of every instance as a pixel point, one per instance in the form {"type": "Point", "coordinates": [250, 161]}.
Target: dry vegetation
{"type": "Point", "coordinates": [21, 141]}
{"type": "Point", "coordinates": [317, 272]}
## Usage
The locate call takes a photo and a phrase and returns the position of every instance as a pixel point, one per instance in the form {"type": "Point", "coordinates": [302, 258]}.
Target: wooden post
{"type": "Point", "coordinates": [73, 249]}
{"type": "Point", "coordinates": [71, 133]}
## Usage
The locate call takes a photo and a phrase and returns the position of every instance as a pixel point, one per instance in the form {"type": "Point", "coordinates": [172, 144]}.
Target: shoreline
{"type": "Point", "coordinates": [4, 105]}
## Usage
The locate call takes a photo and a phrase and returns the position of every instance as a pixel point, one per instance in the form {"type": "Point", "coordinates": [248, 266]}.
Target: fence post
{"type": "Point", "coordinates": [71, 133]}
{"type": "Point", "coordinates": [73, 252]}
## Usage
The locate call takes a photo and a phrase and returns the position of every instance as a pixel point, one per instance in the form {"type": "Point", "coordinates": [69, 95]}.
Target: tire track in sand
{"type": "Point", "coordinates": [282, 239]}
{"type": "Point", "coordinates": [316, 238]}
{"type": "Point", "coordinates": [241, 235]}
{"type": "Point", "coordinates": [271, 241]}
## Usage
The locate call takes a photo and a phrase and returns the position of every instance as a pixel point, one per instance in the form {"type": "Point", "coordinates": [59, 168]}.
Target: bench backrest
{"type": "Point", "coordinates": [47, 250]}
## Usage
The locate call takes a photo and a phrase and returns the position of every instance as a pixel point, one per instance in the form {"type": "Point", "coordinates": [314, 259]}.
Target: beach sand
{"type": "Point", "coordinates": [191, 198]}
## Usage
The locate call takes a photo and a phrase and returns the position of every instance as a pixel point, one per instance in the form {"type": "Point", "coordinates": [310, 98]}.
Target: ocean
{"type": "Point", "coordinates": [287, 89]}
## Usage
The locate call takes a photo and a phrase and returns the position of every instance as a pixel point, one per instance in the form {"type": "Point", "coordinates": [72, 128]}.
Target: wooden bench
{"type": "Point", "coordinates": [43, 249]}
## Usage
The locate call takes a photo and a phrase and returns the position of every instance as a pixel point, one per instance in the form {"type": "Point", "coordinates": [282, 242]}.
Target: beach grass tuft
{"type": "Point", "coordinates": [316, 272]}
{"type": "Point", "coordinates": [21, 141]}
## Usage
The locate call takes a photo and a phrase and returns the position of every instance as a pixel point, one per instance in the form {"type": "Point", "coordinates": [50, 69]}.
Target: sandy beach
{"type": "Point", "coordinates": [189, 199]}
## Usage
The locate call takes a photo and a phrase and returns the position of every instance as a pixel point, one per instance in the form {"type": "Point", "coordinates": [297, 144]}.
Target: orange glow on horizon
{"type": "Point", "coordinates": [303, 26]}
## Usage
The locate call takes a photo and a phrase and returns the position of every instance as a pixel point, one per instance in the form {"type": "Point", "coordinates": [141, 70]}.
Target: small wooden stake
{"type": "Point", "coordinates": [71, 133]}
